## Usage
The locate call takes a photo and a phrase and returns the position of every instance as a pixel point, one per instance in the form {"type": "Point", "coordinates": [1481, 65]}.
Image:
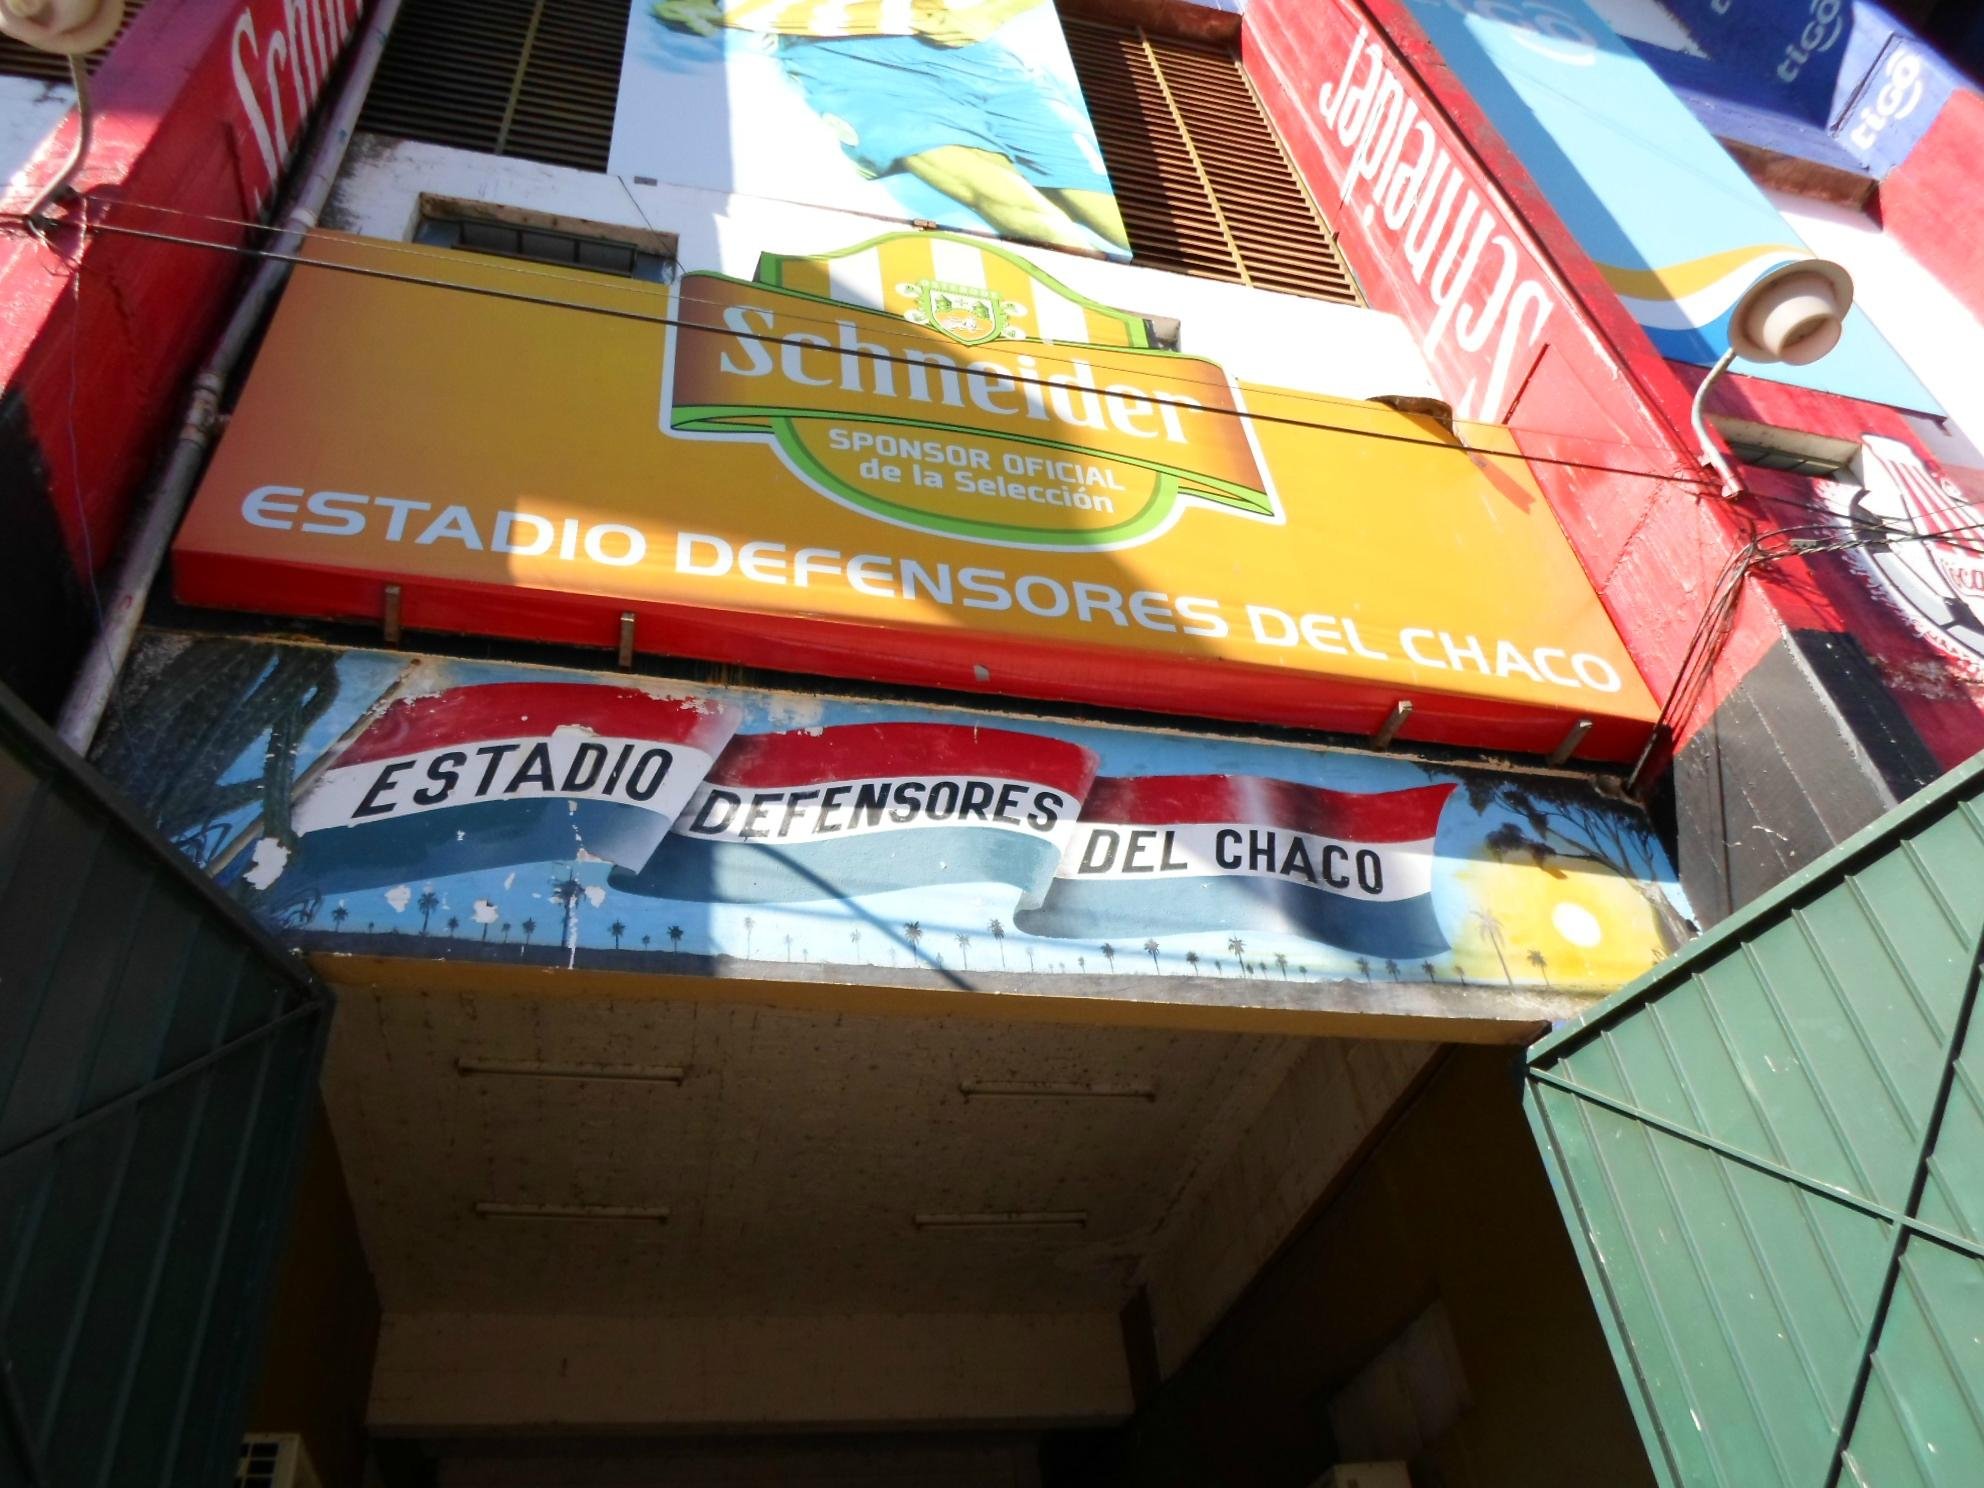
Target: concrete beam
{"type": "Point", "coordinates": [444, 1373]}
{"type": "Point", "coordinates": [1416, 1011]}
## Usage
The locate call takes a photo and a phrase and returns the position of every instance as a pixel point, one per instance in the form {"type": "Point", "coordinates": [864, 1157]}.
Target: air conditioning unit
{"type": "Point", "coordinates": [1365, 1475]}
{"type": "Point", "coordinates": [272, 1460]}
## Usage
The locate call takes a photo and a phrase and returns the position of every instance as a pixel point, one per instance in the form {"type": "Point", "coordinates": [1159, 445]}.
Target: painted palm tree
{"type": "Point", "coordinates": [427, 903]}
{"type": "Point", "coordinates": [454, 924]}
{"type": "Point", "coordinates": [646, 941]}
{"type": "Point", "coordinates": [1081, 964]}
{"type": "Point", "coordinates": [675, 933]}
{"type": "Point", "coordinates": [913, 933]}
{"type": "Point", "coordinates": [1281, 965]}
{"type": "Point", "coordinates": [788, 948]}
{"type": "Point", "coordinates": [1491, 931]}
{"type": "Point", "coordinates": [1029, 958]}
{"type": "Point", "coordinates": [1109, 955]}
{"type": "Point", "coordinates": [1363, 966]}
{"type": "Point", "coordinates": [617, 929]}
{"type": "Point", "coordinates": [1150, 950]}
{"type": "Point", "coordinates": [487, 926]}
{"type": "Point", "coordinates": [339, 916]}
{"type": "Point", "coordinates": [1391, 968]}
{"type": "Point", "coordinates": [998, 929]}
{"type": "Point", "coordinates": [1239, 948]}
{"type": "Point", "coordinates": [749, 925]}
{"type": "Point", "coordinates": [1192, 962]}
{"type": "Point", "coordinates": [1542, 965]}
{"type": "Point", "coordinates": [529, 929]}
{"type": "Point", "coordinates": [1432, 972]}
{"type": "Point", "coordinates": [506, 932]}
{"type": "Point", "coordinates": [854, 937]}
{"type": "Point", "coordinates": [964, 950]}
{"type": "Point", "coordinates": [1559, 823]}
{"type": "Point", "coordinates": [1218, 966]}
{"type": "Point", "coordinates": [567, 893]}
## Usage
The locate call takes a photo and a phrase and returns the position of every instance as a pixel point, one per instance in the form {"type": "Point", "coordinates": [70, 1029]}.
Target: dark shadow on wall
{"type": "Point", "coordinates": [45, 618]}
{"type": "Point", "coordinates": [1450, 1218]}
{"type": "Point", "coordinates": [323, 1327]}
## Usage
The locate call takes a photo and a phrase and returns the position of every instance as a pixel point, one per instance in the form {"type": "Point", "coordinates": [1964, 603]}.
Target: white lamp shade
{"type": "Point", "coordinates": [68, 27]}
{"type": "Point", "coordinates": [1793, 314]}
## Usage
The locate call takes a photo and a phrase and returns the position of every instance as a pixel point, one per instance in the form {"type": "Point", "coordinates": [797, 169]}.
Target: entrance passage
{"type": "Point", "coordinates": [611, 1214]}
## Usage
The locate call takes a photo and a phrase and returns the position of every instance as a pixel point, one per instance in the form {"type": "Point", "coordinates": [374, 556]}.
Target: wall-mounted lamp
{"type": "Point", "coordinates": [1794, 314]}
{"type": "Point", "coordinates": [66, 27]}
{"type": "Point", "coordinates": [69, 28]}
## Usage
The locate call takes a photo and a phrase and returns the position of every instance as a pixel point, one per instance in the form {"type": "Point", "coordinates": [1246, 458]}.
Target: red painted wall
{"type": "Point", "coordinates": [196, 111]}
{"type": "Point", "coordinates": [1513, 317]}
{"type": "Point", "coordinates": [1519, 327]}
{"type": "Point", "coordinates": [1932, 203]}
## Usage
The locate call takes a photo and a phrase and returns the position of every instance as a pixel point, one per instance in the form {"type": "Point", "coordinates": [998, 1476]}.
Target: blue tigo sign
{"type": "Point", "coordinates": [1843, 67]}
{"type": "Point", "coordinates": [1676, 227]}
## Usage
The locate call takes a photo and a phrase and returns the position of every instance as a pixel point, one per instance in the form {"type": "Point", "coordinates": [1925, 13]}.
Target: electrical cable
{"type": "Point", "coordinates": [1711, 632]}
{"type": "Point", "coordinates": [1718, 620]}
{"type": "Point", "coordinates": [1686, 476]}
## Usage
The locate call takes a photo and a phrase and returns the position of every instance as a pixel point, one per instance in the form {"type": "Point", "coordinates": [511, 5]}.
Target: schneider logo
{"type": "Point", "coordinates": [944, 385]}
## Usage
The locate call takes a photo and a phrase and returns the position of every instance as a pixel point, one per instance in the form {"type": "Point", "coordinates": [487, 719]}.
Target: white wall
{"type": "Point", "coordinates": [1939, 338]}
{"type": "Point", "coordinates": [1276, 339]}
{"type": "Point", "coordinates": [28, 111]}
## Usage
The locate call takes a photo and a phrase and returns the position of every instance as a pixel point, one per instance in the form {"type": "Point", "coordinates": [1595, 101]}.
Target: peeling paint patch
{"type": "Point", "coordinates": [399, 896]}
{"type": "Point", "coordinates": [271, 857]}
{"type": "Point", "coordinates": [787, 711]}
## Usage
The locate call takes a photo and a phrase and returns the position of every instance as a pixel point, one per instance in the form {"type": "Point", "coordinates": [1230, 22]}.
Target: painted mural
{"type": "Point", "coordinates": [966, 113]}
{"type": "Point", "coordinates": [1932, 572]}
{"type": "Point", "coordinates": [386, 803]}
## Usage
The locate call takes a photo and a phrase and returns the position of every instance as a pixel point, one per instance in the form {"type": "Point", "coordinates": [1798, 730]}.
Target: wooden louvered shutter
{"type": "Point", "coordinates": [536, 79]}
{"type": "Point", "coordinates": [18, 59]}
{"type": "Point", "coordinates": [1203, 182]}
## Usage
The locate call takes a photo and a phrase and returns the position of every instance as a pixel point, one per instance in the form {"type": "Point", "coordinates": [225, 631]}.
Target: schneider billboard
{"type": "Point", "coordinates": [920, 460]}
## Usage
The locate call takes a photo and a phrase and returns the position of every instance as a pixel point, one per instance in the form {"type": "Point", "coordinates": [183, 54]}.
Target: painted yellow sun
{"type": "Point", "coordinates": [1561, 923]}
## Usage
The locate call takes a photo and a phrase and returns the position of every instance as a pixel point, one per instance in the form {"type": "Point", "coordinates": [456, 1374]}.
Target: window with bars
{"type": "Point", "coordinates": [1202, 179]}
{"type": "Point", "coordinates": [531, 78]}
{"type": "Point", "coordinates": [1203, 182]}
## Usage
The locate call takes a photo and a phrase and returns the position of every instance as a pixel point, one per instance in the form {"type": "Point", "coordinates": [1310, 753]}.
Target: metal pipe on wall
{"type": "Point", "coordinates": [160, 508]}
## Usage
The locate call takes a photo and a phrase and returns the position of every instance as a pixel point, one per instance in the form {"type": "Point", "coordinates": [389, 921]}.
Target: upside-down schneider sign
{"type": "Point", "coordinates": [921, 459]}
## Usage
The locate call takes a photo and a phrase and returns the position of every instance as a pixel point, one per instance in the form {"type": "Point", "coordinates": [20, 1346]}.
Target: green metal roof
{"type": "Point", "coordinates": [1770, 1153]}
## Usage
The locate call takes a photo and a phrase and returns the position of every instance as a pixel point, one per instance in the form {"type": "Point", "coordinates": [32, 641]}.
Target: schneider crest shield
{"type": "Point", "coordinates": [947, 385]}
{"type": "Point", "coordinates": [969, 315]}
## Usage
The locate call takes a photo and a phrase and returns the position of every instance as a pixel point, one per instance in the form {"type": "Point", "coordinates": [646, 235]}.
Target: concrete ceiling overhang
{"type": "Point", "coordinates": [792, 1157]}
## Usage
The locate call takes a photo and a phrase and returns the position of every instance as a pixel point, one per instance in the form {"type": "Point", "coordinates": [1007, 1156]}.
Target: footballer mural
{"type": "Point", "coordinates": [961, 112]}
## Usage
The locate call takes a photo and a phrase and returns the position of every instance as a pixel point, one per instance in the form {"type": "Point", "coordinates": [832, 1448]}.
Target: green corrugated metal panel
{"type": "Point", "coordinates": [157, 1055]}
{"type": "Point", "coordinates": [1770, 1152]}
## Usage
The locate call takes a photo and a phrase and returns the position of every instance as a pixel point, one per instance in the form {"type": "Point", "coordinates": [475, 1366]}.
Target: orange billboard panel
{"type": "Point", "coordinates": [919, 460]}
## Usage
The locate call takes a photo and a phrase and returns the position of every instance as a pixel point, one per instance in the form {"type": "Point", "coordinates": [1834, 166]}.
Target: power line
{"type": "Point", "coordinates": [1037, 349]}
{"type": "Point", "coordinates": [1718, 620]}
